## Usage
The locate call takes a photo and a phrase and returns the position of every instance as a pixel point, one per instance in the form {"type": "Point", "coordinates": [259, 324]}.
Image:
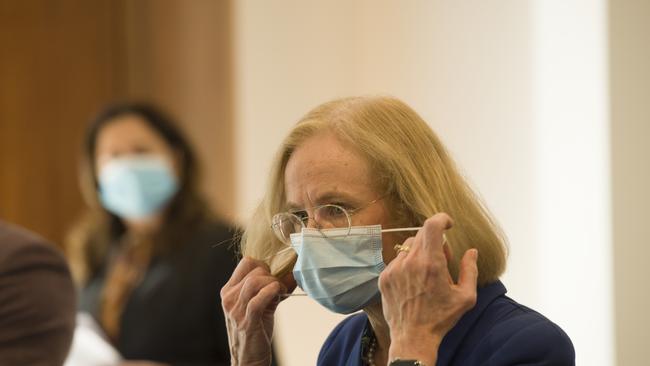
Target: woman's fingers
{"type": "Point", "coordinates": [246, 265]}
{"type": "Point", "coordinates": [429, 238]}
{"type": "Point", "coordinates": [408, 244]}
{"type": "Point", "coordinates": [232, 294]}
{"type": "Point", "coordinates": [449, 255]}
{"type": "Point", "coordinates": [420, 279]}
{"type": "Point", "coordinates": [468, 274]}
{"type": "Point", "coordinates": [249, 300]}
{"type": "Point", "coordinates": [253, 284]}
{"type": "Point", "coordinates": [264, 299]}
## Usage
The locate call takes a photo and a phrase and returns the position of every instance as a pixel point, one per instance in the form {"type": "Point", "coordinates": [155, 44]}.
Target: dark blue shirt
{"type": "Point", "coordinates": [496, 332]}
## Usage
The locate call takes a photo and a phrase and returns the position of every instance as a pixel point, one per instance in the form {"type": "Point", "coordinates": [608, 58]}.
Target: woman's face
{"type": "Point", "coordinates": [130, 135]}
{"type": "Point", "coordinates": [324, 171]}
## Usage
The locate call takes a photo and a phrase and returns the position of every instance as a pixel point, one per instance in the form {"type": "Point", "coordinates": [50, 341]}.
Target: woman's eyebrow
{"type": "Point", "coordinates": [331, 197]}
{"type": "Point", "coordinates": [291, 206]}
{"type": "Point", "coordinates": [321, 199]}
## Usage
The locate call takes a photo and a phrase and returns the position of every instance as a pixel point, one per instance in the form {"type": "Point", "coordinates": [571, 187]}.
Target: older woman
{"type": "Point", "coordinates": [365, 210]}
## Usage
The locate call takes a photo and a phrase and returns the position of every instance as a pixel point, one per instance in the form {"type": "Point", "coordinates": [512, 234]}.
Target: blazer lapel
{"type": "Point", "coordinates": [453, 340]}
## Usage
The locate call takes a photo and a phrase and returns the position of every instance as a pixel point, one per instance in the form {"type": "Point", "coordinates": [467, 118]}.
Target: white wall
{"type": "Point", "coordinates": [572, 173]}
{"type": "Point", "coordinates": [290, 56]}
{"type": "Point", "coordinates": [484, 75]}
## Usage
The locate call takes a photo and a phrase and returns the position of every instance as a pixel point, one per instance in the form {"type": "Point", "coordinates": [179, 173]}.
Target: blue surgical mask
{"type": "Point", "coordinates": [340, 271]}
{"type": "Point", "coordinates": [136, 187]}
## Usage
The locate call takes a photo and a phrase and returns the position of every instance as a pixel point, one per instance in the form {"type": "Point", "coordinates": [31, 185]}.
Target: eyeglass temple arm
{"type": "Point", "coordinates": [383, 231]}
{"type": "Point", "coordinates": [401, 229]}
{"type": "Point", "coordinates": [444, 236]}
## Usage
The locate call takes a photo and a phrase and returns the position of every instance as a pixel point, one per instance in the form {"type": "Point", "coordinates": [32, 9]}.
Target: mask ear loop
{"type": "Point", "coordinates": [401, 229]}
{"type": "Point", "coordinates": [444, 236]}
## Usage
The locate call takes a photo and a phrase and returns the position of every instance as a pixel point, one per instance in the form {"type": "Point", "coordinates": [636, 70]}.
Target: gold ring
{"type": "Point", "coordinates": [401, 248]}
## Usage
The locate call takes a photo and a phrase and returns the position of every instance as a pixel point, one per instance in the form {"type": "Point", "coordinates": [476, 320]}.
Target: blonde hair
{"type": "Point", "coordinates": [411, 165]}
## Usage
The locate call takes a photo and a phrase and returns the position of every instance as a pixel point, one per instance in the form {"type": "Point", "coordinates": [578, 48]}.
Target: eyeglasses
{"type": "Point", "coordinates": [324, 216]}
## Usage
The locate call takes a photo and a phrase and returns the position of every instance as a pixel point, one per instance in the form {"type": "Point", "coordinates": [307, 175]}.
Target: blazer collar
{"type": "Point", "coordinates": [452, 340]}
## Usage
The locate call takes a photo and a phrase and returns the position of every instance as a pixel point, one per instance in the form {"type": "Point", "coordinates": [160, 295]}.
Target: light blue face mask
{"type": "Point", "coordinates": [340, 271]}
{"type": "Point", "coordinates": [136, 187]}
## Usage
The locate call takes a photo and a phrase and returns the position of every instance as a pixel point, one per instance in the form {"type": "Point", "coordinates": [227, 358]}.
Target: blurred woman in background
{"type": "Point", "coordinates": [149, 256]}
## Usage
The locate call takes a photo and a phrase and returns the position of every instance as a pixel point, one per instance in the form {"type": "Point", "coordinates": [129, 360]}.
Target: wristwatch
{"type": "Point", "coordinates": [399, 362]}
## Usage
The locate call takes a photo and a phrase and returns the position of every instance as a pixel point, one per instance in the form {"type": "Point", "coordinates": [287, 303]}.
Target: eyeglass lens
{"type": "Point", "coordinates": [325, 216]}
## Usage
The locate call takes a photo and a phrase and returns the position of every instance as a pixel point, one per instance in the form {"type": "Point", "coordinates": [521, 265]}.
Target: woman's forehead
{"type": "Point", "coordinates": [323, 166]}
{"type": "Point", "coordinates": [125, 131]}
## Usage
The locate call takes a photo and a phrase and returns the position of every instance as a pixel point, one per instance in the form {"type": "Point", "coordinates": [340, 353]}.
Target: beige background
{"type": "Point", "coordinates": [466, 69]}
{"type": "Point", "coordinates": [630, 130]}
{"type": "Point", "coordinates": [544, 103]}
{"type": "Point", "coordinates": [520, 93]}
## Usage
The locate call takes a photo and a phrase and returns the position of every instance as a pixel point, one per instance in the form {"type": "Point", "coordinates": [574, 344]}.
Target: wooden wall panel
{"type": "Point", "coordinates": [59, 63]}
{"type": "Point", "coordinates": [179, 56]}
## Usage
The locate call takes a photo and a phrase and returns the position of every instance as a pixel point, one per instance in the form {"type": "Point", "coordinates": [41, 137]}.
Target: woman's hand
{"type": "Point", "coordinates": [249, 300]}
{"type": "Point", "coordinates": [421, 303]}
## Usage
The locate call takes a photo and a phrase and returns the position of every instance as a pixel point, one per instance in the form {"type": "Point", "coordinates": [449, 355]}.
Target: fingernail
{"type": "Point", "coordinates": [475, 253]}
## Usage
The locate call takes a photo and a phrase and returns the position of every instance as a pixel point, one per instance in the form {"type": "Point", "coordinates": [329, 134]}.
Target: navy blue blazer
{"type": "Point", "coordinates": [496, 332]}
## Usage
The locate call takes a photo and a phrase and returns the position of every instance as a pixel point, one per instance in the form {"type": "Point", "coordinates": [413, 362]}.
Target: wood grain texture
{"type": "Point", "coordinates": [57, 67]}
{"type": "Point", "coordinates": [63, 61]}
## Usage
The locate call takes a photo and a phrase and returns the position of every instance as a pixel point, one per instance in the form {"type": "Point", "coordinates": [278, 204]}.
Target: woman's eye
{"type": "Point", "coordinates": [335, 210]}
{"type": "Point", "coordinates": [344, 206]}
{"type": "Point", "coordinates": [141, 150]}
{"type": "Point", "coordinates": [302, 215]}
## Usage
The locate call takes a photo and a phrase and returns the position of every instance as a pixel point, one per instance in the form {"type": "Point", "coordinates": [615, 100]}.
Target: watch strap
{"type": "Point", "coordinates": [400, 362]}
